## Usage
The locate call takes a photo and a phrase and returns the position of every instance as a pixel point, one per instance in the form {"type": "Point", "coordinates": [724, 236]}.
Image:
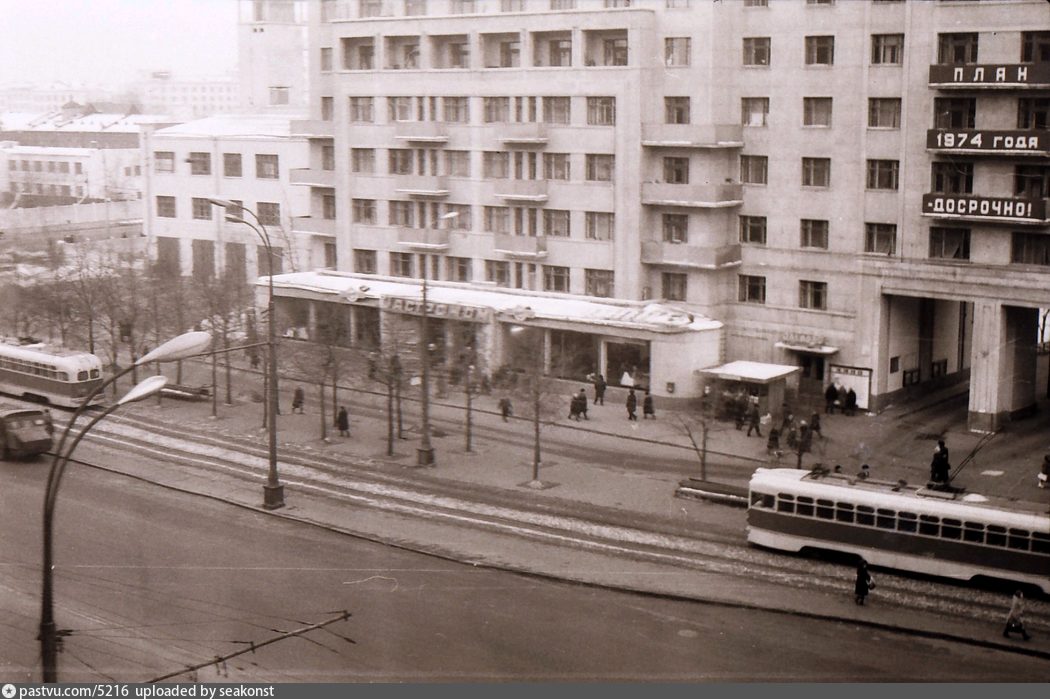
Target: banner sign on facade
{"type": "Point", "coordinates": [453, 311]}
{"type": "Point", "coordinates": [967, 206]}
{"type": "Point", "coordinates": [965, 140]}
{"type": "Point", "coordinates": [992, 75]}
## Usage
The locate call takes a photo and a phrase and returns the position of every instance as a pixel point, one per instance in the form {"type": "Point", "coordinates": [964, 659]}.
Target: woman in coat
{"type": "Point", "coordinates": [863, 584]}
{"type": "Point", "coordinates": [342, 422]}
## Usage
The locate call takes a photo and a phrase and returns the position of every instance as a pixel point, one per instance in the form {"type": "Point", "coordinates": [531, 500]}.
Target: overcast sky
{"type": "Point", "coordinates": [110, 42]}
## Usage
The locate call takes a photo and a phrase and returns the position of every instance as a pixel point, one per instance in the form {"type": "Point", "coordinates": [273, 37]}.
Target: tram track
{"type": "Point", "coordinates": [369, 483]}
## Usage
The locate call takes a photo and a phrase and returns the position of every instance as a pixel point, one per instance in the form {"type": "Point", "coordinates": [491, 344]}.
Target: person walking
{"type": "Point", "coordinates": [599, 389]}
{"type": "Point", "coordinates": [830, 396]}
{"type": "Point", "coordinates": [864, 583]}
{"type": "Point", "coordinates": [814, 424]}
{"type": "Point", "coordinates": [298, 398]}
{"type": "Point", "coordinates": [851, 402]}
{"type": "Point", "coordinates": [574, 407]}
{"type": "Point", "coordinates": [647, 407]}
{"type": "Point", "coordinates": [342, 422]}
{"type": "Point", "coordinates": [1015, 617]}
{"type": "Point", "coordinates": [773, 443]}
{"type": "Point", "coordinates": [940, 467]}
{"type": "Point", "coordinates": [754, 421]}
{"type": "Point", "coordinates": [505, 408]}
{"type": "Point", "coordinates": [582, 398]}
{"type": "Point", "coordinates": [632, 406]}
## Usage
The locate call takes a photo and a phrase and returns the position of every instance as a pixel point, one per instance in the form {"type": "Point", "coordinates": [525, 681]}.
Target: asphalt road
{"type": "Point", "coordinates": [151, 581]}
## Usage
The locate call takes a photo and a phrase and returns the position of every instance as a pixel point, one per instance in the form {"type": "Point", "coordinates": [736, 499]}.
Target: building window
{"type": "Point", "coordinates": [278, 96]}
{"type": "Point", "coordinates": [365, 261]}
{"type": "Point", "coordinates": [957, 49]}
{"type": "Point", "coordinates": [756, 3]}
{"type": "Point", "coordinates": [559, 53]}
{"type": "Point", "coordinates": [166, 207]}
{"type": "Point", "coordinates": [401, 264]}
{"type": "Point", "coordinates": [495, 165]}
{"type": "Point", "coordinates": [497, 219]}
{"type": "Point", "coordinates": [400, 161]}
{"type": "Point", "coordinates": [600, 167]}
{"type": "Point", "coordinates": [555, 278]}
{"type": "Point", "coordinates": [813, 234]}
{"type": "Point", "coordinates": [459, 269]}
{"type": "Point", "coordinates": [327, 108]}
{"type": "Point", "coordinates": [370, 8]}
{"type": "Point", "coordinates": [563, 4]}
{"type": "Point", "coordinates": [203, 252]}
{"type": "Point", "coordinates": [330, 260]}
{"type": "Point", "coordinates": [952, 177]}
{"type": "Point", "coordinates": [1030, 249]}
{"type": "Point", "coordinates": [753, 230]}
{"type": "Point", "coordinates": [163, 161]}
{"type": "Point", "coordinates": [509, 54]}
{"type": "Point", "coordinates": [363, 160]}
{"type": "Point", "coordinates": [598, 282]}
{"type": "Point", "coordinates": [400, 109]}
{"type": "Point", "coordinates": [676, 170]}
{"type": "Point", "coordinates": [601, 111]}
{"type": "Point", "coordinates": [813, 295]}
{"type": "Point", "coordinates": [883, 174]}
{"type": "Point", "coordinates": [884, 113]}
{"type": "Point", "coordinates": [497, 272]}
{"type": "Point", "coordinates": [675, 228]}
{"type": "Point", "coordinates": [415, 7]}
{"type": "Point", "coordinates": [328, 207]}
{"type": "Point", "coordinates": [599, 225]}
{"type": "Point", "coordinates": [556, 223]}
{"type": "Point", "coordinates": [463, 7]}
{"type": "Point", "coordinates": [363, 211]}
{"type": "Point", "coordinates": [556, 110]}
{"type": "Point", "coordinates": [954, 112]}
{"type": "Point", "coordinates": [231, 164]}
{"type": "Point", "coordinates": [949, 243]}
{"type": "Point", "coordinates": [816, 172]}
{"type": "Point", "coordinates": [677, 51]}
{"type": "Point", "coordinates": [676, 110]}
{"type": "Point", "coordinates": [326, 59]}
{"type": "Point", "coordinates": [1035, 47]}
{"type": "Point", "coordinates": [880, 238]}
{"type": "Point", "coordinates": [673, 285]}
{"type": "Point", "coordinates": [362, 110]}
{"type": "Point", "coordinates": [614, 52]}
{"type": "Point", "coordinates": [401, 213]}
{"type": "Point", "coordinates": [1032, 181]}
{"type": "Point", "coordinates": [887, 49]}
{"type": "Point", "coordinates": [754, 169]}
{"type": "Point", "coordinates": [269, 213]}
{"type": "Point", "coordinates": [1033, 113]}
{"type": "Point", "coordinates": [556, 166]}
{"type": "Point", "coordinates": [328, 158]}
{"type": "Point", "coordinates": [200, 163]}
{"type": "Point", "coordinates": [754, 111]}
{"type": "Point", "coordinates": [820, 50]}
{"type": "Point", "coordinates": [266, 167]}
{"type": "Point", "coordinates": [497, 109]}
{"type": "Point", "coordinates": [202, 209]}
{"type": "Point", "coordinates": [816, 111]}
{"type": "Point", "coordinates": [756, 51]}
{"type": "Point", "coordinates": [456, 110]}
{"type": "Point", "coordinates": [457, 163]}
{"type": "Point", "coordinates": [751, 289]}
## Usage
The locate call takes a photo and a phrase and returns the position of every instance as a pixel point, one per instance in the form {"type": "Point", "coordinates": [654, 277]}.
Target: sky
{"type": "Point", "coordinates": [112, 42]}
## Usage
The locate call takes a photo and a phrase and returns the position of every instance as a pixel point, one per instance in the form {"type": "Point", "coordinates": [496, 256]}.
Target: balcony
{"type": "Point", "coordinates": [983, 142]}
{"type": "Point", "coordinates": [423, 239]}
{"type": "Point", "coordinates": [693, 135]}
{"type": "Point", "coordinates": [658, 252]}
{"type": "Point", "coordinates": [311, 225]}
{"type": "Point", "coordinates": [313, 128]}
{"type": "Point", "coordinates": [525, 134]}
{"type": "Point", "coordinates": [702, 196]}
{"type": "Point", "coordinates": [967, 207]}
{"type": "Point", "coordinates": [310, 177]}
{"type": "Point", "coordinates": [421, 131]}
{"type": "Point", "coordinates": [522, 190]}
{"type": "Point", "coordinates": [520, 247]}
{"type": "Point", "coordinates": [994, 76]}
{"type": "Point", "coordinates": [421, 186]}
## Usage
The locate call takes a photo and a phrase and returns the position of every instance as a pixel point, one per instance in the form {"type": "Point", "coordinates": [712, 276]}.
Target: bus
{"type": "Point", "coordinates": [60, 377]}
{"type": "Point", "coordinates": [25, 433]}
{"type": "Point", "coordinates": [945, 533]}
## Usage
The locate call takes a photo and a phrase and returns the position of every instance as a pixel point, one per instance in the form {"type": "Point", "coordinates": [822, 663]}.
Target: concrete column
{"type": "Point", "coordinates": [1002, 379]}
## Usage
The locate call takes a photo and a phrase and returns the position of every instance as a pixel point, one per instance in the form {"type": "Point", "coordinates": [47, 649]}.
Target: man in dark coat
{"type": "Point", "coordinates": [863, 584]}
{"type": "Point", "coordinates": [342, 422]}
{"type": "Point", "coordinates": [754, 421]}
{"type": "Point", "coordinates": [582, 398]}
{"type": "Point", "coordinates": [830, 396]}
{"type": "Point", "coordinates": [505, 408]}
{"type": "Point", "coordinates": [851, 402]}
{"type": "Point", "coordinates": [632, 406]}
{"type": "Point", "coordinates": [574, 407]}
{"type": "Point", "coordinates": [648, 411]}
{"type": "Point", "coordinates": [298, 398]}
{"type": "Point", "coordinates": [940, 467]}
{"type": "Point", "coordinates": [599, 389]}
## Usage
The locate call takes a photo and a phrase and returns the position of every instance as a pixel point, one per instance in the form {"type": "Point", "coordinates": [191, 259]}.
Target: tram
{"type": "Point", "coordinates": [945, 533]}
{"type": "Point", "coordinates": [60, 377]}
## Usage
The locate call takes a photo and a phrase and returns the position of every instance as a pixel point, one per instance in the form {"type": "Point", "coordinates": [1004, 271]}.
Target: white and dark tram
{"type": "Point", "coordinates": [895, 525]}
{"type": "Point", "coordinates": [61, 377]}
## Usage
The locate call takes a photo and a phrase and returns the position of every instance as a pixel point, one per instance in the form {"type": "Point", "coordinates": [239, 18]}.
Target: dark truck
{"type": "Point", "coordinates": [24, 432]}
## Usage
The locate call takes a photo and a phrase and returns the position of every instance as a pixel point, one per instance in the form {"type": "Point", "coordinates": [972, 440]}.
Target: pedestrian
{"type": "Point", "coordinates": [940, 467]}
{"type": "Point", "coordinates": [865, 472]}
{"type": "Point", "coordinates": [851, 402]}
{"type": "Point", "coordinates": [599, 389]}
{"type": "Point", "coordinates": [1044, 472]}
{"type": "Point", "coordinates": [632, 406]}
{"type": "Point", "coordinates": [805, 438]}
{"type": "Point", "coordinates": [583, 403]}
{"type": "Point", "coordinates": [830, 396]}
{"type": "Point", "coordinates": [814, 424]}
{"type": "Point", "coordinates": [647, 407]}
{"type": "Point", "coordinates": [342, 422]}
{"type": "Point", "coordinates": [574, 407]}
{"type": "Point", "coordinates": [1015, 617]}
{"type": "Point", "coordinates": [505, 408]}
{"type": "Point", "coordinates": [298, 398]}
{"type": "Point", "coordinates": [754, 421]}
{"type": "Point", "coordinates": [253, 357]}
{"type": "Point", "coordinates": [773, 443]}
{"type": "Point", "coordinates": [739, 409]}
{"type": "Point", "coordinates": [864, 583]}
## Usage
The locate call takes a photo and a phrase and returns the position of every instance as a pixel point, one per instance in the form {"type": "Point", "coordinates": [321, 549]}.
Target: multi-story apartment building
{"type": "Point", "coordinates": [186, 98]}
{"type": "Point", "coordinates": [854, 188]}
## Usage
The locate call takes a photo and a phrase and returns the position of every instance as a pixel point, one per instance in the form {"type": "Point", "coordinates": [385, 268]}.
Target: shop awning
{"type": "Point", "coordinates": [752, 372]}
{"type": "Point", "coordinates": [810, 349]}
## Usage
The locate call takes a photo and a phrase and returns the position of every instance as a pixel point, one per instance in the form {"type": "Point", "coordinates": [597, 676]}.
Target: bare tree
{"type": "Point", "coordinates": [697, 423]}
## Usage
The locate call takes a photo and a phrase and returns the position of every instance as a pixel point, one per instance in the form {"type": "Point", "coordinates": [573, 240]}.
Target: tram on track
{"type": "Point", "coordinates": [946, 533]}
{"type": "Point", "coordinates": [60, 377]}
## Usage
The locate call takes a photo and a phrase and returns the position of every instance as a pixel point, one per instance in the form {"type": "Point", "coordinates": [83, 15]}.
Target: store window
{"type": "Point", "coordinates": [573, 354]}
{"type": "Point", "coordinates": [627, 364]}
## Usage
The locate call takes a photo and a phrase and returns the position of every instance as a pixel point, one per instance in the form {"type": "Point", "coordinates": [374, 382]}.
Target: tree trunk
{"type": "Point", "coordinates": [226, 363]}
{"type": "Point", "coordinates": [400, 422]}
{"type": "Point", "coordinates": [469, 414]}
{"type": "Point", "coordinates": [324, 418]}
{"type": "Point", "coordinates": [214, 385]}
{"type": "Point", "coordinates": [390, 418]}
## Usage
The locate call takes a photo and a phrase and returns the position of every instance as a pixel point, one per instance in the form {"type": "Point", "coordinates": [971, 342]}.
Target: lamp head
{"type": "Point", "coordinates": [143, 389]}
{"type": "Point", "coordinates": [180, 347]}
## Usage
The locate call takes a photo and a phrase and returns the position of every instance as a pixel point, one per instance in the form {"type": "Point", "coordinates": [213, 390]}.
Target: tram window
{"type": "Point", "coordinates": [929, 525]}
{"type": "Point", "coordinates": [996, 535]}
{"type": "Point", "coordinates": [785, 503]}
{"type": "Point", "coordinates": [844, 512]}
{"type": "Point", "coordinates": [94, 373]}
{"type": "Point", "coordinates": [866, 515]}
{"type": "Point", "coordinates": [951, 528]}
{"type": "Point", "coordinates": [1018, 539]}
{"type": "Point", "coordinates": [82, 376]}
{"type": "Point", "coordinates": [805, 506]}
{"type": "Point", "coordinates": [973, 531]}
{"type": "Point", "coordinates": [825, 509]}
{"type": "Point", "coordinates": [761, 499]}
{"type": "Point", "coordinates": [885, 519]}
{"type": "Point", "coordinates": [906, 522]}
{"type": "Point", "coordinates": [1040, 543]}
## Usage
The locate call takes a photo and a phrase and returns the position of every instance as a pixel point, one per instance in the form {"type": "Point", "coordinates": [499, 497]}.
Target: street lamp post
{"type": "Point", "coordinates": [185, 345]}
{"type": "Point", "coordinates": [273, 491]}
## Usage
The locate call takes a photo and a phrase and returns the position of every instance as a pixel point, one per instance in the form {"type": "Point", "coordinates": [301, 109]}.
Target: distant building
{"type": "Point", "coordinates": [37, 99]}
{"type": "Point", "coordinates": [186, 98]}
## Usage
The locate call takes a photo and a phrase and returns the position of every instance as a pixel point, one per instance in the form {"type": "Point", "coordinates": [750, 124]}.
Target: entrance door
{"type": "Point", "coordinates": [811, 381]}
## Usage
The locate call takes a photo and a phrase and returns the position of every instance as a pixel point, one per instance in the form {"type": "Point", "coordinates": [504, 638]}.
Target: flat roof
{"type": "Point", "coordinates": [756, 372]}
{"type": "Point", "coordinates": [236, 125]}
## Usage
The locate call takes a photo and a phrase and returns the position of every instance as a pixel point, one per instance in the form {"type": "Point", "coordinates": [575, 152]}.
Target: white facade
{"type": "Point", "coordinates": [82, 174]}
{"type": "Point", "coordinates": [187, 98]}
{"type": "Point", "coordinates": [272, 59]}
